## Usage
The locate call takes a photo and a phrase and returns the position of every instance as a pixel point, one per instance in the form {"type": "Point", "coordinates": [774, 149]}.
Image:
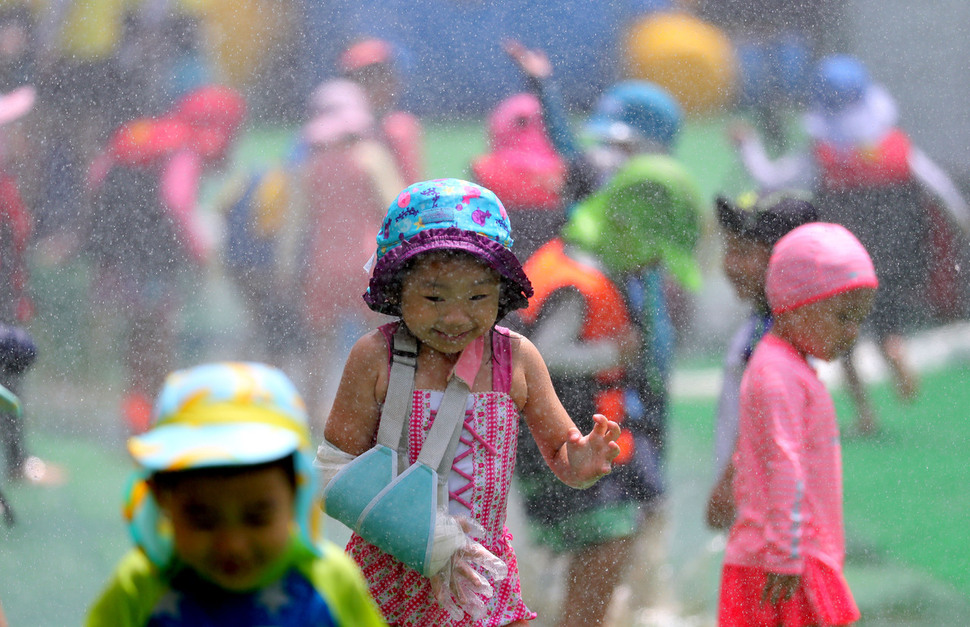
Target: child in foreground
{"type": "Point", "coordinates": [220, 513]}
{"type": "Point", "coordinates": [784, 557]}
{"type": "Point", "coordinates": [445, 268]}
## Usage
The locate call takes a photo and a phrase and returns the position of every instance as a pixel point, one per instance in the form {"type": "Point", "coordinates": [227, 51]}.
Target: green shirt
{"type": "Point", "coordinates": [328, 587]}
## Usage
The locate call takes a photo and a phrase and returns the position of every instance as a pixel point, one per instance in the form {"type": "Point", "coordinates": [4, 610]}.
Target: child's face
{"type": "Point", "coordinates": [231, 529]}
{"type": "Point", "coordinates": [828, 328]}
{"type": "Point", "coordinates": [745, 264]}
{"type": "Point", "coordinates": [449, 301]}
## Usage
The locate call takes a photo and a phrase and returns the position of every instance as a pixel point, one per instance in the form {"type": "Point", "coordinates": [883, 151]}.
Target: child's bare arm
{"type": "Point", "coordinates": [577, 460]}
{"type": "Point", "coordinates": [356, 408]}
{"type": "Point", "coordinates": [720, 504]}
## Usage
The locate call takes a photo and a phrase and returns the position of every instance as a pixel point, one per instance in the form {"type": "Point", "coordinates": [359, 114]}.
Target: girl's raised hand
{"type": "Point", "coordinates": [591, 456]}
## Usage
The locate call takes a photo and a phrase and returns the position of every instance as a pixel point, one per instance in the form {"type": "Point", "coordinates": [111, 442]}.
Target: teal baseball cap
{"type": "Point", "coordinates": [636, 110]}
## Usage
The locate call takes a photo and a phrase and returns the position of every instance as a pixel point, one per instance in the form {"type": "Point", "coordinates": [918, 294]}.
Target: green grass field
{"type": "Point", "coordinates": [907, 512]}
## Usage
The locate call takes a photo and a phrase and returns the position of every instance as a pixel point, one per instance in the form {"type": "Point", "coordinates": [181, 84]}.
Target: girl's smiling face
{"type": "Point", "coordinates": [449, 299]}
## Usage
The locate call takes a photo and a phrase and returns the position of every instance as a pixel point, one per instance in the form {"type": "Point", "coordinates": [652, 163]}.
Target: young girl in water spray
{"type": "Point", "coordinates": [444, 267]}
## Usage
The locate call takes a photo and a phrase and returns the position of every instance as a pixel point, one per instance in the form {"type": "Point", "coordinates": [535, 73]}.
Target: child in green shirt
{"type": "Point", "coordinates": [220, 513]}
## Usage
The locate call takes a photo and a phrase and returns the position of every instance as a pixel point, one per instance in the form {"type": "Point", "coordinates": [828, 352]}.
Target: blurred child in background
{"type": "Point", "coordinates": [144, 231]}
{"type": "Point", "coordinates": [371, 64]}
{"type": "Point", "coordinates": [599, 319]}
{"type": "Point", "coordinates": [866, 175]}
{"type": "Point", "coordinates": [621, 185]}
{"type": "Point", "coordinates": [263, 224]}
{"type": "Point", "coordinates": [300, 233]}
{"type": "Point", "coordinates": [630, 118]}
{"type": "Point", "coordinates": [348, 182]}
{"type": "Point", "coordinates": [750, 228]}
{"type": "Point", "coordinates": [523, 169]}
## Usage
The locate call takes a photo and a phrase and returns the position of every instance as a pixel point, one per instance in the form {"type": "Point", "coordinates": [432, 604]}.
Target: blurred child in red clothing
{"type": "Point", "coordinates": [523, 168]}
{"type": "Point", "coordinates": [144, 230]}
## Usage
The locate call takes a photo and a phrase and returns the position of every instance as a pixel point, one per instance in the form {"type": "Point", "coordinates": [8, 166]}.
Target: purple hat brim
{"type": "Point", "coordinates": [516, 285]}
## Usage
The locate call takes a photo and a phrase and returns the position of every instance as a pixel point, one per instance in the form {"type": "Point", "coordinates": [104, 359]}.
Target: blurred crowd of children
{"type": "Point", "coordinates": [607, 224]}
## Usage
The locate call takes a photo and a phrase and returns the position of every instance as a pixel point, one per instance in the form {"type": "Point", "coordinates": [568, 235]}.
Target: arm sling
{"type": "Point", "coordinates": [390, 504]}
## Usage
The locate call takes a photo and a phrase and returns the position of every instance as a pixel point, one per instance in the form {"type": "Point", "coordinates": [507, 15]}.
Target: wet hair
{"type": "Point", "coordinates": [765, 218]}
{"type": "Point", "coordinates": [169, 480]}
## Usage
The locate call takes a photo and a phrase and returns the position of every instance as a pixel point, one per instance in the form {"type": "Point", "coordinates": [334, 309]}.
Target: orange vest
{"type": "Point", "coordinates": [880, 165]}
{"type": "Point", "coordinates": [549, 270]}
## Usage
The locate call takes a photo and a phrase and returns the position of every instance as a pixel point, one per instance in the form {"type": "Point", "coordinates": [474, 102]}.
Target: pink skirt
{"type": "Point", "coordinates": [823, 598]}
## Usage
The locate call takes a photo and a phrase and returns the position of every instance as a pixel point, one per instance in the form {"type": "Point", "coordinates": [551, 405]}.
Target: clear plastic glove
{"type": "Point", "coordinates": [459, 586]}
{"type": "Point", "coordinates": [449, 537]}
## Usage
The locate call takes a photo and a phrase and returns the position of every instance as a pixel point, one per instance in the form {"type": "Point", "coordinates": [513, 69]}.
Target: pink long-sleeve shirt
{"type": "Point", "coordinates": [788, 466]}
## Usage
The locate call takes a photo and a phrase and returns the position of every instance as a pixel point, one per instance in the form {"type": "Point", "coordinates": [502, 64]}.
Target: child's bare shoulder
{"type": "Point", "coordinates": [369, 352]}
{"type": "Point", "coordinates": [522, 348]}
{"type": "Point", "coordinates": [372, 341]}
{"type": "Point", "coordinates": [527, 366]}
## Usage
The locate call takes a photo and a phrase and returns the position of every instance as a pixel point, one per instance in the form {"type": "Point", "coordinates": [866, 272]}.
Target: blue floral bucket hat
{"type": "Point", "coordinates": [217, 415]}
{"type": "Point", "coordinates": [445, 214]}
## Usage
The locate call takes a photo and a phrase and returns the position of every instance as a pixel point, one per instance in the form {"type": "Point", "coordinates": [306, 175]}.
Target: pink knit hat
{"type": "Point", "coordinates": [813, 262]}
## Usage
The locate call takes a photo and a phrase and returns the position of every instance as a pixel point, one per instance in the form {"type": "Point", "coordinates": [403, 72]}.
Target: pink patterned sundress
{"type": "Point", "coordinates": [489, 439]}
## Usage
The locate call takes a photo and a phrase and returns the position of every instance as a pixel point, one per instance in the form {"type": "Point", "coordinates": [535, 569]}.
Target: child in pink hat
{"type": "Point", "coordinates": [784, 558]}
{"type": "Point", "coordinates": [348, 179]}
{"type": "Point", "coordinates": [523, 168]}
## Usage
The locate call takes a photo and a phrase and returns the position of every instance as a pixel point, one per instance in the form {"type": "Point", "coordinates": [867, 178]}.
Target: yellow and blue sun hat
{"type": "Point", "coordinates": [216, 415]}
